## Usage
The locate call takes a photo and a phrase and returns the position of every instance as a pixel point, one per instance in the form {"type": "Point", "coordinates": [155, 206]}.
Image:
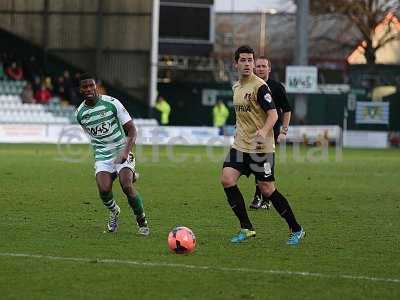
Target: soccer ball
{"type": "Point", "coordinates": [181, 240]}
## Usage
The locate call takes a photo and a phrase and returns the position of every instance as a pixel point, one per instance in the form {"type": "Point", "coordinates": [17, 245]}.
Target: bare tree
{"type": "Point", "coordinates": [364, 16]}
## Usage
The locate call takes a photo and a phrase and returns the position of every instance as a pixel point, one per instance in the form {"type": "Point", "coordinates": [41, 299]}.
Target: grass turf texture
{"type": "Point", "coordinates": [349, 209]}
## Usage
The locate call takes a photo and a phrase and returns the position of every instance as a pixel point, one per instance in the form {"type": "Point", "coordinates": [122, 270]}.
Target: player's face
{"type": "Point", "coordinates": [88, 89]}
{"type": "Point", "coordinates": [262, 68]}
{"type": "Point", "coordinates": [245, 64]}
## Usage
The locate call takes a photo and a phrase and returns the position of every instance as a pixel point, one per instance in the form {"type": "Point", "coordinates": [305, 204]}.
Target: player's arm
{"type": "Point", "coordinates": [131, 134]}
{"type": "Point", "coordinates": [264, 99]}
{"type": "Point", "coordinates": [285, 126]}
{"type": "Point", "coordinates": [287, 112]}
{"type": "Point", "coordinates": [286, 120]}
{"type": "Point", "coordinates": [129, 128]}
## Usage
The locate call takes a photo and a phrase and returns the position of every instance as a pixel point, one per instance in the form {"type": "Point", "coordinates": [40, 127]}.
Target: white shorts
{"type": "Point", "coordinates": [111, 167]}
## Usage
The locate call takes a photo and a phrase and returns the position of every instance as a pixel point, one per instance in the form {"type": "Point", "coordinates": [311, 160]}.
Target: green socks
{"type": "Point", "coordinates": [136, 204]}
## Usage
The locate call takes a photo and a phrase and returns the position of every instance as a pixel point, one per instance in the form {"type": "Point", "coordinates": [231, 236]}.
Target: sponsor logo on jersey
{"type": "Point", "coordinates": [100, 129]}
{"type": "Point", "coordinates": [247, 96]}
{"type": "Point", "coordinates": [242, 108]}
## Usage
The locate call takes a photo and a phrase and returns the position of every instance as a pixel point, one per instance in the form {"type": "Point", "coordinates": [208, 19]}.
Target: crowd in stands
{"type": "Point", "coordinates": [40, 87]}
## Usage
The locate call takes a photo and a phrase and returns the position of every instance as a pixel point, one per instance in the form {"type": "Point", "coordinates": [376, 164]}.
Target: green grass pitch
{"type": "Point", "coordinates": [53, 245]}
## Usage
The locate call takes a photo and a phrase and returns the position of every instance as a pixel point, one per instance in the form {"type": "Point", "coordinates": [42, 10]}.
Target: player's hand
{"type": "Point", "coordinates": [261, 135]}
{"type": "Point", "coordinates": [121, 158]}
{"type": "Point", "coordinates": [260, 138]}
{"type": "Point", "coordinates": [281, 138]}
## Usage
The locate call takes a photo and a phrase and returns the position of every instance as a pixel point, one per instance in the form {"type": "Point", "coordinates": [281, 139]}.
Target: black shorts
{"type": "Point", "coordinates": [259, 164]}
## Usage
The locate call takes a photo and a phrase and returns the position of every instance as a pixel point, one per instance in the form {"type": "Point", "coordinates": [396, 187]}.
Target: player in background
{"type": "Point", "coordinates": [112, 135]}
{"type": "Point", "coordinates": [281, 127]}
{"type": "Point", "coordinates": [253, 148]}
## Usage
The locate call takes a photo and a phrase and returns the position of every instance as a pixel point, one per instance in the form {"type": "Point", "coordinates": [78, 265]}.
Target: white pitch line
{"type": "Point", "coordinates": [199, 267]}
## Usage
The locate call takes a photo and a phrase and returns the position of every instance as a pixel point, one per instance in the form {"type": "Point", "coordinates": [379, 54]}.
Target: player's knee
{"type": "Point", "coordinates": [267, 188]}
{"type": "Point", "coordinates": [227, 181]}
{"type": "Point", "coordinates": [127, 189]}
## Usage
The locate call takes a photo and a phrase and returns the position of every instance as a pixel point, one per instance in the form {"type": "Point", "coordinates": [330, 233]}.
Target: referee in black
{"type": "Point", "coordinates": [262, 70]}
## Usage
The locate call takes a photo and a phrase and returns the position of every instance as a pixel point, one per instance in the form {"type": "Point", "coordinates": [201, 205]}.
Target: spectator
{"type": "Point", "coordinates": [48, 83]}
{"type": "Point", "coordinates": [220, 115]}
{"type": "Point", "coordinates": [77, 79]}
{"type": "Point", "coordinates": [2, 72]}
{"type": "Point", "coordinates": [163, 107]}
{"type": "Point", "coordinates": [27, 94]}
{"type": "Point", "coordinates": [32, 68]}
{"type": "Point", "coordinates": [394, 138]}
{"type": "Point", "coordinates": [67, 76]}
{"type": "Point", "coordinates": [72, 91]}
{"type": "Point", "coordinates": [58, 88]}
{"type": "Point", "coordinates": [15, 72]}
{"type": "Point", "coordinates": [68, 86]}
{"type": "Point", "coordinates": [43, 95]}
{"type": "Point", "coordinates": [5, 59]}
{"type": "Point", "coordinates": [36, 84]}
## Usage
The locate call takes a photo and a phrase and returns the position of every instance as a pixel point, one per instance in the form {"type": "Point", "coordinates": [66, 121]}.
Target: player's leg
{"type": "Point", "coordinates": [280, 203]}
{"type": "Point", "coordinates": [104, 182]}
{"type": "Point", "coordinates": [266, 203]}
{"type": "Point", "coordinates": [282, 206]}
{"type": "Point", "coordinates": [126, 173]}
{"type": "Point", "coordinates": [231, 171]}
{"type": "Point", "coordinates": [257, 201]}
{"type": "Point", "coordinates": [266, 182]}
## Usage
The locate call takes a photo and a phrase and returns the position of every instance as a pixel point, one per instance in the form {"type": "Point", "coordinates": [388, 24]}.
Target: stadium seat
{"type": "Point", "coordinates": [13, 110]}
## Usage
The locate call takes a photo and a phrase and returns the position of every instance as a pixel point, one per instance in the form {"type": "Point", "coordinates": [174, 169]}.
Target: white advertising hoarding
{"type": "Point", "coordinates": [365, 139]}
{"type": "Point", "coordinates": [301, 79]}
{"type": "Point", "coordinates": [150, 135]}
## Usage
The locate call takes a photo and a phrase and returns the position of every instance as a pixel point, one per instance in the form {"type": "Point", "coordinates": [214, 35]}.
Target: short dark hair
{"type": "Point", "coordinates": [268, 61]}
{"type": "Point", "coordinates": [243, 49]}
{"type": "Point", "coordinates": [86, 76]}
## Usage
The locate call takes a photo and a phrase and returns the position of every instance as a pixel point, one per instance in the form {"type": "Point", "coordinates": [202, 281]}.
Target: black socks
{"type": "Point", "coordinates": [283, 208]}
{"type": "Point", "coordinates": [236, 201]}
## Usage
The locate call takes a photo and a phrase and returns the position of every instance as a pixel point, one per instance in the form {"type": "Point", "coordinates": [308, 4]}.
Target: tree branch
{"type": "Point", "coordinates": [336, 41]}
{"type": "Point", "coordinates": [383, 43]}
{"type": "Point", "coordinates": [365, 16]}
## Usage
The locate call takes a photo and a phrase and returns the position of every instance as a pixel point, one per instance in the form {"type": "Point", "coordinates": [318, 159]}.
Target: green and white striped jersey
{"type": "Point", "coordinates": [103, 122]}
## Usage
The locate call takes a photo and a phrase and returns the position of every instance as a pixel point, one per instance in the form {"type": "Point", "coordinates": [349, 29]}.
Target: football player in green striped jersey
{"type": "Point", "coordinates": [112, 135]}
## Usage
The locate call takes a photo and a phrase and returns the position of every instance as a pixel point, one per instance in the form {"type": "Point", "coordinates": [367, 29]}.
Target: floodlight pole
{"type": "Point", "coordinates": [263, 38]}
{"type": "Point", "coordinates": [301, 52]}
{"type": "Point", "coordinates": [45, 33]}
{"type": "Point", "coordinates": [99, 37]}
{"type": "Point", "coordinates": [155, 19]}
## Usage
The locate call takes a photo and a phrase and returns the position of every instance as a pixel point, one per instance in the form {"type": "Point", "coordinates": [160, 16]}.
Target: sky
{"type": "Point", "coordinates": [254, 5]}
